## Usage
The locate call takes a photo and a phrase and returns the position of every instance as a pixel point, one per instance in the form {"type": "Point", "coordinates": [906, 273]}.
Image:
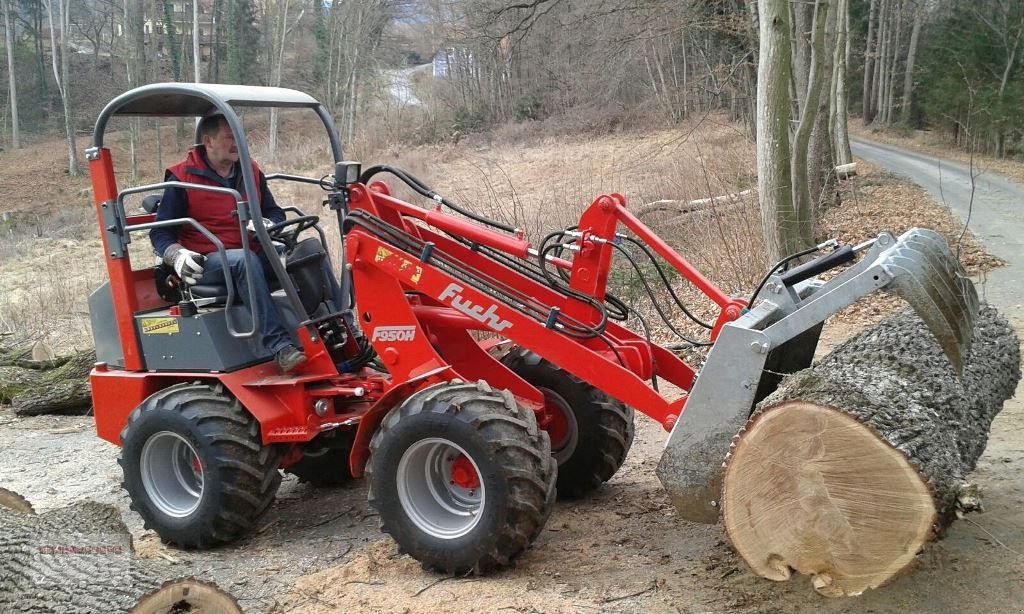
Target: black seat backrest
{"type": "Point", "coordinates": [304, 264]}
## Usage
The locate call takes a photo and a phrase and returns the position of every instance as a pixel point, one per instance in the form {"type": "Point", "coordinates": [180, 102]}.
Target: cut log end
{"type": "Point", "coordinates": [14, 501]}
{"type": "Point", "coordinates": [187, 595]}
{"type": "Point", "coordinates": [808, 488]}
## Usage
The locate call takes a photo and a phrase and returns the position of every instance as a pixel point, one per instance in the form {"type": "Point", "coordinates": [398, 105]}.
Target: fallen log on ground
{"type": "Point", "coordinates": [35, 387]}
{"type": "Point", "coordinates": [682, 207]}
{"type": "Point", "coordinates": [80, 559]}
{"type": "Point", "coordinates": [853, 465]}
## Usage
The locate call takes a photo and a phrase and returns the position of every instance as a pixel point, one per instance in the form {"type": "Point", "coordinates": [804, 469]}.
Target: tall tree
{"type": "Point", "coordinates": [908, 74]}
{"type": "Point", "coordinates": [774, 181]}
{"type": "Point", "coordinates": [837, 107]}
{"type": "Point", "coordinates": [135, 36]}
{"type": "Point", "coordinates": [59, 60]}
{"type": "Point", "coordinates": [171, 38]}
{"type": "Point", "coordinates": [870, 44]}
{"type": "Point", "coordinates": [196, 32]}
{"type": "Point", "coordinates": [11, 77]}
{"type": "Point", "coordinates": [803, 198]}
{"type": "Point", "coordinates": [277, 11]}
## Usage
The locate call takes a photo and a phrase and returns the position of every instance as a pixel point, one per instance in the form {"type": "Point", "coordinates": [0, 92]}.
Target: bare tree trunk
{"type": "Point", "coordinates": [908, 76]}
{"type": "Point", "coordinates": [61, 77]}
{"type": "Point", "coordinates": [802, 196]}
{"type": "Point", "coordinates": [774, 73]}
{"type": "Point", "coordinates": [195, 41]}
{"type": "Point", "coordinates": [883, 54]}
{"type": "Point", "coordinates": [820, 161]}
{"type": "Point", "coordinates": [802, 13]}
{"type": "Point", "coordinates": [869, 62]}
{"type": "Point", "coordinates": [9, 40]}
{"type": "Point", "coordinates": [840, 132]}
{"type": "Point", "coordinates": [135, 48]}
{"type": "Point", "coordinates": [890, 103]}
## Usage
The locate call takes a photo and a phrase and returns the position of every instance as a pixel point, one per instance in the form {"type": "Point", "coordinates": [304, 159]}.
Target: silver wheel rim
{"type": "Point", "coordinates": [564, 450]}
{"type": "Point", "coordinates": [172, 474]}
{"type": "Point", "coordinates": [427, 490]}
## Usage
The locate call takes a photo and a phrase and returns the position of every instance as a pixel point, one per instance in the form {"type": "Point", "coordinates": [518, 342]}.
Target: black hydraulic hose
{"type": "Point", "coordinates": [654, 300]}
{"type": "Point", "coordinates": [664, 279]}
{"type": "Point", "coordinates": [423, 190]}
{"type": "Point", "coordinates": [777, 266]}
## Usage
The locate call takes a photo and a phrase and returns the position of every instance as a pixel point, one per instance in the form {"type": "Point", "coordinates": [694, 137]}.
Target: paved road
{"type": "Point", "coordinates": [996, 216]}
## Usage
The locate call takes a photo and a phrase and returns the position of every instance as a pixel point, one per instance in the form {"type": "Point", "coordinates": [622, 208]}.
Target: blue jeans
{"type": "Point", "coordinates": [272, 333]}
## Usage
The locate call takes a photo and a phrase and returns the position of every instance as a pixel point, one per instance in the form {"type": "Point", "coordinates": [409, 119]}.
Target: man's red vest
{"type": "Point", "coordinates": [214, 211]}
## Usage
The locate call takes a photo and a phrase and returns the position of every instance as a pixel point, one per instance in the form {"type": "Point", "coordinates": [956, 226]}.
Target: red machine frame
{"type": "Point", "coordinates": [409, 306]}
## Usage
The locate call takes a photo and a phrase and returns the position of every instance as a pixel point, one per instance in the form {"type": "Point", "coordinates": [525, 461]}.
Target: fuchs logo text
{"type": "Point", "coordinates": [394, 333]}
{"type": "Point", "coordinates": [477, 312]}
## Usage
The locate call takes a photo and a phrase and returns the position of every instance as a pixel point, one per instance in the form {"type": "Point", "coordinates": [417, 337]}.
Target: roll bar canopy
{"type": "Point", "coordinates": [201, 99]}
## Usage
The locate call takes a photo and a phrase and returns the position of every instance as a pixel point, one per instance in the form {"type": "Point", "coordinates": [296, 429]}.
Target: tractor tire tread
{"type": "Point", "coordinates": [522, 450]}
{"type": "Point", "coordinates": [249, 468]}
{"type": "Point", "coordinates": [602, 448]}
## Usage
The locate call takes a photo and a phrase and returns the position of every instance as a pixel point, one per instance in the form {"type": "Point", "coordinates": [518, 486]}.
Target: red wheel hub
{"type": "Point", "coordinates": [464, 473]}
{"type": "Point", "coordinates": [555, 422]}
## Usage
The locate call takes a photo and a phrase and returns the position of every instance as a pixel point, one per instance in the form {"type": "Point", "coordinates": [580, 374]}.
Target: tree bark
{"type": "Point", "coordinates": [80, 559]}
{"type": "Point", "coordinates": [890, 84]}
{"type": "Point", "coordinates": [61, 77]}
{"type": "Point", "coordinates": [882, 54]}
{"type": "Point", "coordinates": [37, 387]}
{"type": "Point", "coordinates": [820, 161]}
{"type": "Point", "coordinates": [869, 63]}
{"type": "Point", "coordinates": [850, 467]}
{"type": "Point", "coordinates": [803, 198]}
{"type": "Point", "coordinates": [774, 184]}
{"type": "Point", "coordinates": [908, 75]}
{"type": "Point", "coordinates": [9, 41]}
{"type": "Point", "coordinates": [840, 129]}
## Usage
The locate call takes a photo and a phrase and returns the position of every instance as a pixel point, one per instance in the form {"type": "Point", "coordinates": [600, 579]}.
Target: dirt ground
{"type": "Point", "coordinates": [622, 550]}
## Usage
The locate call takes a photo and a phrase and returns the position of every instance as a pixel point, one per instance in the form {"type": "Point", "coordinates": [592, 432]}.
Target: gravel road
{"type": "Point", "coordinates": [996, 211]}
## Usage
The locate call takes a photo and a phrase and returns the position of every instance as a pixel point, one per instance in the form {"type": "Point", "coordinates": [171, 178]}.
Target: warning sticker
{"type": "Point", "coordinates": [382, 254]}
{"type": "Point", "coordinates": [159, 326]}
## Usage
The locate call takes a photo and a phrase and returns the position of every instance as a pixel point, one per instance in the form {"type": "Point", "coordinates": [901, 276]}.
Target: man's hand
{"type": "Point", "coordinates": [186, 263]}
{"type": "Point", "coordinates": [267, 223]}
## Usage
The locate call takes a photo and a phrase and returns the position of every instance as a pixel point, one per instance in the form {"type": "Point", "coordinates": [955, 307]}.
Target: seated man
{"type": "Point", "coordinates": [215, 163]}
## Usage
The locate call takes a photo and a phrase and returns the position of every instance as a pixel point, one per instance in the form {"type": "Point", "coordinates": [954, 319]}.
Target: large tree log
{"type": "Point", "coordinates": [80, 559]}
{"type": "Point", "coordinates": [852, 466]}
{"type": "Point", "coordinates": [36, 387]}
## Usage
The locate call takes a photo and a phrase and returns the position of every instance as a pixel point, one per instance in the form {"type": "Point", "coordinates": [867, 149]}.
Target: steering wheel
{"type": "Point", "coordinates": [288, 231]}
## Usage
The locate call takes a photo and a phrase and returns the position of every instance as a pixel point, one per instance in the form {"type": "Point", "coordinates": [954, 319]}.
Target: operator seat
{"type": "Point", "coordinates": [304, 263]}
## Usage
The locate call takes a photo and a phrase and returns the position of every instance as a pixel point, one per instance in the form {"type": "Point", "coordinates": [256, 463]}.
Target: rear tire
{"type": "Point", "coordinates": [591, 438]}
{"type": "Point", "coordinates": [195, 468]}
{"type": "Point", "coordinates": [462, 477]}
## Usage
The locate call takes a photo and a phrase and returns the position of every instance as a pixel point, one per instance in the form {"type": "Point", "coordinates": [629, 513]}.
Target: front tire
{"type": "Point", "coordinates": [462, 477]}
{"type": "Point", "coordinates": [195, 468]}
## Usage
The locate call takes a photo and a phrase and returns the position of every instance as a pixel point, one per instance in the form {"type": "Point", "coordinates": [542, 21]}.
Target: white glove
{"type": "Point", "coordinates": [251, 227]}
{"type": "Point", "coordinates": [187, 263]}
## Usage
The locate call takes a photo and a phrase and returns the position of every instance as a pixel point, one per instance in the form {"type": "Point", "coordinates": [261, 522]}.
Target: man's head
{"type": "Point", "coordinates": [216, 136]}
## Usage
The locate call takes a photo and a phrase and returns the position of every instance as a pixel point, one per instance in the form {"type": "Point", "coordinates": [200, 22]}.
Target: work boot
{"type": "Point", "coordinates": [289, 357]}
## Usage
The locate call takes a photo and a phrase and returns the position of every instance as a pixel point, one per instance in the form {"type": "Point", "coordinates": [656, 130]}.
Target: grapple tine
{"type": "Point", "coordinates": [926, 275]}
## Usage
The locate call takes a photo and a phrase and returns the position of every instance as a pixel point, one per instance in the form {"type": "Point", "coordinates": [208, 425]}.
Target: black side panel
{"type": "Point", "coordinates": [790, 357]}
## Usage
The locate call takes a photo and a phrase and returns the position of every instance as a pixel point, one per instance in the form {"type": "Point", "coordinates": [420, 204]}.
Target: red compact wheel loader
{"type": "Point", "coordinates": [466, 438]}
